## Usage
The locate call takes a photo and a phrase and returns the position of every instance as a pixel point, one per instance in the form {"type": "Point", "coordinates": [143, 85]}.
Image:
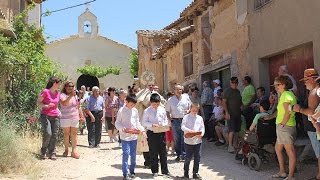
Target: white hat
{"type": "Point", "coordinates": [216, 81]}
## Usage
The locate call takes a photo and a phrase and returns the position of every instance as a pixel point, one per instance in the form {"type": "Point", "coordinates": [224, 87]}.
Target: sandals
{"type": "Point", "coordinates": [75, 155]}
{"type": "Point", "coordinates": [65, 154]}
{"type": "Point", "coordinates": [279, 175]}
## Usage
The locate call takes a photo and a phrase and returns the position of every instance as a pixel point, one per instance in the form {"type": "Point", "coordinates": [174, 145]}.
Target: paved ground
{"type": "Point", "coordinates": [105, 163]}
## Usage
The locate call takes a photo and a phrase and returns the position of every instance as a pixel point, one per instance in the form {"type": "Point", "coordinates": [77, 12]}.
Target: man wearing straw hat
{"type": "Point", "coordinates": [309, 80]}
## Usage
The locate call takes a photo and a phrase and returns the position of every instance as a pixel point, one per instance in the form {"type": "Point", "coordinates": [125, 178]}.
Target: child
{"type": "Point", "coordinates": [155, 117]}
{"type": "Point", "coordinates": [193, 124]}
{"type": "Point", "coordinates": [264, 107]}
{"type": "Point", "coordinates": [128, 123]}
{"type": "Point", "coordinates": [217, 115]}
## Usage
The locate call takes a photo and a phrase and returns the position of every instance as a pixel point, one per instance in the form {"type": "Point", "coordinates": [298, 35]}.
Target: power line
{"type": "Point", "coordinates": [68, 7]}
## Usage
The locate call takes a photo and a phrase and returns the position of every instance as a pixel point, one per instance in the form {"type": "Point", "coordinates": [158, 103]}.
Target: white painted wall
{"type": "Point", "coordinates": [72, 53]}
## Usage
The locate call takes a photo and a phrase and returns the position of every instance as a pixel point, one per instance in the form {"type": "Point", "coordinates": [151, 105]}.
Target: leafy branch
{"type": "Point", "coordinates": [98, 71]}
{"type": "Point", "coordinates": [133, 63]}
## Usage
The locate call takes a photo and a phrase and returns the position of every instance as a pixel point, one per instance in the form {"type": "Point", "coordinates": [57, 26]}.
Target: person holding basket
{"type": "Point", "coordinates": [129, 127]}
{"type": "Point", "coordinates": [193, 128]}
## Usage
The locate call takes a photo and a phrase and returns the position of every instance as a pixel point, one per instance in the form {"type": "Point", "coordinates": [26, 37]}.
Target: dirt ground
{"type": "Point", "coordinates": [105, 163]}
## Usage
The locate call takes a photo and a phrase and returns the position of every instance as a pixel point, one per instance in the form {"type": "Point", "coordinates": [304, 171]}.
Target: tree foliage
{"type": "Point", "coordinates": [24, 65]}
{"type": "Point", "coordinates": [98, 71]}
{"type": "Point", "coordinates": [133, 63]}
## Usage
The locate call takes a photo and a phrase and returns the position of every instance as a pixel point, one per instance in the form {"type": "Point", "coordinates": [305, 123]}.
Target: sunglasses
{"type": "Point", "coordinates": [277, 84]}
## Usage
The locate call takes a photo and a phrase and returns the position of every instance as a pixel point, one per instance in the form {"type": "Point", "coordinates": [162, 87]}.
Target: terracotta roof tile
{"type": "Point", "coordinates": [157, 33]}
{"type": "Point", "coordinates": [172, 41]}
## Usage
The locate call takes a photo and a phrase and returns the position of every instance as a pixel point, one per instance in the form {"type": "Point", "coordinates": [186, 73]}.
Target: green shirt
{"type": "Point", "coordinates": [247, 94]}
{"type": "Point", "coordinates": [258, 116]}
{"type": "Point", "coordinates": [286, 97]}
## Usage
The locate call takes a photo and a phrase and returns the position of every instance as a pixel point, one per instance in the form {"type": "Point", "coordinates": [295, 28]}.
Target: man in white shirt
{"type": "Point", "coordinates": [177, 106]}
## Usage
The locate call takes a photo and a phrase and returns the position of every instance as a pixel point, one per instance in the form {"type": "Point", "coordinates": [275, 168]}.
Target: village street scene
{"type": "Point", "coordinates": [193, 89]}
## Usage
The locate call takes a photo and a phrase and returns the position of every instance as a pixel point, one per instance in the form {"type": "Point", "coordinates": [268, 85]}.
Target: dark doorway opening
{"type": "Point", "coordinates": [223, 74]}
{"type": "Point", "coordinates": [88, 81]}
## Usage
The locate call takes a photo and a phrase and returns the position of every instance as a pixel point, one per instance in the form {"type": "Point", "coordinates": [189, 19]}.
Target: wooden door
{"type": "Point", "coordinates": [297, 60]}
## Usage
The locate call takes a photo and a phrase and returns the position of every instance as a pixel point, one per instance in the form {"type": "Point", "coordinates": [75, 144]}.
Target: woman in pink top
{"type": "Point", "coordinates": [71, 113]}
{"type": "Point", "coordinates": [112, 103]}
{"type": "Point", "coordinates": [48, 100]}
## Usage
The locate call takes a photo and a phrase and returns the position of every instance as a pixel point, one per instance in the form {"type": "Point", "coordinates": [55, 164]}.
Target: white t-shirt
{"type": "Point", "coordinates": [178, 107]}
{"type": "Point", "coordinates": [218, 112]}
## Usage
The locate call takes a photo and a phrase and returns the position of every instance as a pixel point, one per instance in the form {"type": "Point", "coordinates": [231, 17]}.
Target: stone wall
{"type": "Point", "coordinates": [280, 26]}
{"type": "Point", "coordinates": [229, 37]}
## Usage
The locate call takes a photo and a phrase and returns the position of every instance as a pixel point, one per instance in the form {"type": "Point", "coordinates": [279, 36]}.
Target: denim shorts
{"type": "Point", "coordinates": [314, 142]}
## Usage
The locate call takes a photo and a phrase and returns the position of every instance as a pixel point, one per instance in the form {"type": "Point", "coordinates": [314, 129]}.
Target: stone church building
{"type": "Point", "coordinates": [88, 47]}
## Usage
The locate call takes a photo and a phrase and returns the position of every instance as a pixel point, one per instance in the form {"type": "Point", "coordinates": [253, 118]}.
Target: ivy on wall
{"type": "Point", "coordinates": [99, 71]}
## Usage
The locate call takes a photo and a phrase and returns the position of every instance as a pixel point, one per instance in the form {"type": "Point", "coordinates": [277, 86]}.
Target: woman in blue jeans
{"type": "Point", "coordinates": [48, 100]}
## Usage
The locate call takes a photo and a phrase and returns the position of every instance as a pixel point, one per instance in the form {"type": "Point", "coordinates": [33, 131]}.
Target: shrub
{"type": "Point", "coordinates": [15, 152]}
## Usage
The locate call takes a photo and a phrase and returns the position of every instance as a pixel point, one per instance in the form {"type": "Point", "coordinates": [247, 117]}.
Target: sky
{"type": "Point", "coordinates": [118, 20]}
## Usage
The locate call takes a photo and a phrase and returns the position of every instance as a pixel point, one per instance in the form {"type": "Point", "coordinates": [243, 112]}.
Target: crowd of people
{"type": "Point", "coordinates": [179, 122]}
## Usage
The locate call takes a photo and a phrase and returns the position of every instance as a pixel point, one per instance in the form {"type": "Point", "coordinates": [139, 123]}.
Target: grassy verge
{"type": "Point", "coordinates": [18, 153]}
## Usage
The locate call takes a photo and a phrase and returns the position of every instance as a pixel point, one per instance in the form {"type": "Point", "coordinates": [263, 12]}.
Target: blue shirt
{"type": "Point", "coordinates": [95, 103]}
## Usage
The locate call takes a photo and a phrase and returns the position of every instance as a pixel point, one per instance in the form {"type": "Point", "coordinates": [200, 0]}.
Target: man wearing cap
{"type": "Point", "coordinates": [216, 85]}
{"type": "Point", "coordinates": [309, 78]}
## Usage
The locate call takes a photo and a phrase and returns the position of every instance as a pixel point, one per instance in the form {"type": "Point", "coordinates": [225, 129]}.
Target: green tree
{"type": "Point", "coordinates": [24, 65]}
{"type": "Point", "coordinates": [134, 63]}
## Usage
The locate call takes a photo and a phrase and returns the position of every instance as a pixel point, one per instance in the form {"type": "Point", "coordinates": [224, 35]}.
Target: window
{"type": "Point", "coordinates": [187, 59]}
{"type": "Point", "coordinates": [260, 3]}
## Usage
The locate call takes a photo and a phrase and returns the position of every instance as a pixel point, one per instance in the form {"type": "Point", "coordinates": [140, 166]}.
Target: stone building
{"type": "Point", "coordinates": [207, 42]}
{"type": "Point", "coordinates": [88, 47]}
{"type": "Point", "coordinates": [283, 32]}
{"type": "Point", "coordinates": [222, 38]}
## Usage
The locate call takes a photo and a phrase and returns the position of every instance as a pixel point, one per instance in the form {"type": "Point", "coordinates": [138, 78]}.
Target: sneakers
{"type": "Point", "coordinates": [231, 149]}
{"type": "Point", "coordinates": [196, 176]}
{"type": "Point", "coordinates": [186, 175]}
{"type": "Point", "coordinates": [219, 143]}
{"type": "Point", "coordinates": [42, 156]}
{"type": "Point", "coordinates": [167, 174]}
{"type": "Point", "coordinates": [126, 177]}
{"type": "Point", "coordinates": [132, 175]}
{"type": "Point", "coordinates": [53, 156]}
{"type": "Point", "coordinates": [178, 159]}
{"type": "Point", "coordinates": [154, 175]}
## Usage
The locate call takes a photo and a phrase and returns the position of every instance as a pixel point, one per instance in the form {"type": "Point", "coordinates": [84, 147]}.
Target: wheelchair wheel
{"type": "Point", "coordinates": [244, 161]}
{"type": "Point", "coordinates": [254, 161]}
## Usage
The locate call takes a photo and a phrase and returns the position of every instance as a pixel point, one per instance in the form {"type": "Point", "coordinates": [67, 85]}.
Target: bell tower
{"type": "Point", "coordinates": [87, 24]}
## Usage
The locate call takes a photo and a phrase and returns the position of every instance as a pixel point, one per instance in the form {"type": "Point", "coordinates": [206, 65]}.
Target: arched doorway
{"type": "Point", "coordinates": [88, 81]}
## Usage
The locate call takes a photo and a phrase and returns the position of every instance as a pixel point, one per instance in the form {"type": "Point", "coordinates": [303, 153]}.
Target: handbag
{"type": "Point", "coordinates": [142, 144]}
{"type": "Point", "coordinates": [251, 138]}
